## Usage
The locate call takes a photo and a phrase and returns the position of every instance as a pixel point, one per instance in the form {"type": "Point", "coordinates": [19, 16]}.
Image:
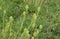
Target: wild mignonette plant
{"type": "Point", "coordinates": [29, 19]}
{"type": "Point", "coordinates": [8, 28]}
{"type": "Point", "coordinates": [31, 32]}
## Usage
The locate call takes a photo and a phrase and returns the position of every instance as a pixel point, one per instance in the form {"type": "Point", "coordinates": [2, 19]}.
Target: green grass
{"type": "Point", "coordinates": [29, 19]}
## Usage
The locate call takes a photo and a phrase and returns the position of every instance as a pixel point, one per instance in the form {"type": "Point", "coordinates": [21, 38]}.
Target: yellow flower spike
{"type": "Point", "coordinates": [25, 30]}
{"type": "Point", "coordinates": [40, 26]}
{"type": "Point", "coordinates": [11, 33]}
{"type": "Point", "coordinates": [36, 33]}
{"type": "Point", "coordinates": [7, 26]}
{"type": "Point", "coordinates": [4, 11]}
{"type": "Point", "coordinates": [27, 7]}
{"type": "Point", "coordinates": [33, 21]}
{"type": "Point", "coordinates": [35, 16]}
{"type": "Point", "coordinates": [11, 18]}
{"type": "Point", "coordinates": [33, 25]}
{"type": "Point", "coordinates": [32, 38]}
{"type": "Point", "coordinates": [25, 34]}
{"type": "Point", "coordinates": [24, 13]}
{"type": "Point", "coordinates": [38, 9]}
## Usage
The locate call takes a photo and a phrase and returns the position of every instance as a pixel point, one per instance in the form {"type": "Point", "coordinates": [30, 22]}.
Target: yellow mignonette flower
{"type": "Point", "coordinates": [11, 33]}
{"type": "Point", "coordinates": [11, 18]}
{"type": "Point", "coordinates": [40, 26]}
{"type": "Point", "coordinates": [38, 9]}
{"type": "Point", "coordinates": [4, 11]}
{"type": "Point", "coordinates": [33, 25]}
{"type": "Point", "coordinates": [35, 16]}
{"type": "Point", "coordinates": [32, 37]}
{"type": "Point", "coordinates": [27, 6]}
{"type": "Point", "coordinates": [26, 30]}
{"type": "Point", "coordinates": [36, 33]}
{"type": "Point", "coordinates": [24, 13]}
